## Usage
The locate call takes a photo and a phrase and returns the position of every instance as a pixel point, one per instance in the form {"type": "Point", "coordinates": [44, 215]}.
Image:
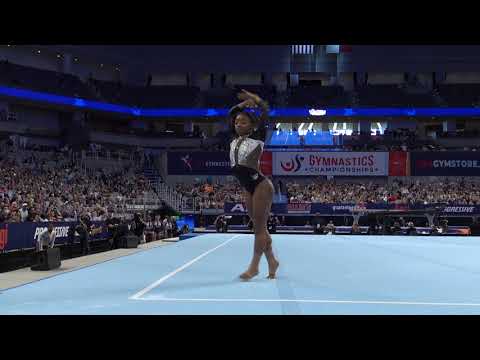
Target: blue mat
{"type": "Point", "coordinates": [318, 275]}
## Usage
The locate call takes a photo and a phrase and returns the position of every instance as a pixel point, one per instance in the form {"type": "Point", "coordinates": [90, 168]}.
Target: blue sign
{"type": "Point", "coordinates": [445, 163]}
{"type": "Point", "coordinates": [188, 220]}
{"type": "Point", "coordinates": [18, 236]}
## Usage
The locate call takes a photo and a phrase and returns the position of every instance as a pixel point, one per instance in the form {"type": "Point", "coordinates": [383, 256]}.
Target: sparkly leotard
{"type": "Point", "coordinates": [245, 153]}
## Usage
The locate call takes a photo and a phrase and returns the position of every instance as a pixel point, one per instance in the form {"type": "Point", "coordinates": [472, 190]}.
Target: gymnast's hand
{"type": "Point", "coordinates": [246, 95]}
{"type": "Point", "coordinates": [249, 103]}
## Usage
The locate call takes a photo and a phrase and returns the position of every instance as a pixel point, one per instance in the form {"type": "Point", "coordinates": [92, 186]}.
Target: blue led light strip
{"type": "Point", "coordinates": [198, 112]}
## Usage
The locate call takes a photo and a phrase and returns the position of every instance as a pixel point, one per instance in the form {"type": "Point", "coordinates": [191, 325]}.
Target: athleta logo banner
{"type": "Point", "coordinates": [445, 163]}
{"type": "Point", "coordinates": [330, 163]}
{"type": "Point", "coordinates": [198, 163]}
{"type": "Point", "coordinates": [209, 163]}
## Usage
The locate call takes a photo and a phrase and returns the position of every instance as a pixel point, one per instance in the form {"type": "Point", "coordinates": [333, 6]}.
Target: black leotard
{"type": "Point", "coordinates": [245, 151]}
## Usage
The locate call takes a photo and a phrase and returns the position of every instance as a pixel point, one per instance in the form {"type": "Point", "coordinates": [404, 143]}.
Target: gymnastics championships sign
{"type": "Point", "coordinates": [330, 163]}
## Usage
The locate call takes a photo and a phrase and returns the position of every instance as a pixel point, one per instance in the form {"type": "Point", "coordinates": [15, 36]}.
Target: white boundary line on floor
{"type": "Point", "coordinates": [359, 302]}
{"type": "Point", "coordinates": [142, 292]}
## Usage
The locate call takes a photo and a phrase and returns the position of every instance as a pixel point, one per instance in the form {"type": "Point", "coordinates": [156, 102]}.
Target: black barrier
{"type": "Point", "coordinates": [22, 236]}
{"type": "Point", "coordinates": [336, 209]}
{"type": "Point", "coordinates": [452, 230]}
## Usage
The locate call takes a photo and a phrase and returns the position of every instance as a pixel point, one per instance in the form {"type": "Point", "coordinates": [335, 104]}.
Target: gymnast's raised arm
{"type": "Point", "coordinates": [250, 100]}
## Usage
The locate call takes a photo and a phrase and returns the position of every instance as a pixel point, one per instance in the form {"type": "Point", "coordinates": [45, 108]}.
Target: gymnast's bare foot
{"type": "Point", "coordinates": [272, 269]}
{"type": "Point", "coordinates": [249, 274]}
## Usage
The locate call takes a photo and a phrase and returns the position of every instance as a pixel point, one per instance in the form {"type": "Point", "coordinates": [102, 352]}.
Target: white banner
{"type": "Point", "coordinates": [142, 207]}
{"type": "Point", "coordinates": [330, 163]}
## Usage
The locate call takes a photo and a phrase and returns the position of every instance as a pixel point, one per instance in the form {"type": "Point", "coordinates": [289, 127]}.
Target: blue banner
{"type": "Point", "coordinates": [17, 236]}
{"type": "Point", "coordinates": [188, 220]}
{"type": "Point", "coordinates": [198, 163]}
{"type": "Point", "coordinates": [445, 163]}
{"type": "Point", "coordinates": [239, 208]}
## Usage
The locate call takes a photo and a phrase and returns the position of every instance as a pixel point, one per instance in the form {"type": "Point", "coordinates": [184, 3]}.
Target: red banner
{"type": "Point", "coordinates": [398, 164]}
{"type": "Point", "coordinates": [299, 208]}
{"type": "Point", "coordinates": [266, 163]}
{"type": "Point", "coordinates": [3, 239]}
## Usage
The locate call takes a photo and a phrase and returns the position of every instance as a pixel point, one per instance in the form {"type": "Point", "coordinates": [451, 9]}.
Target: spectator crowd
{"type": "Point", "coordinates": [208, 195]}
{"type": "Point", "coordinates": [465, 192]}
{"type": "Point", "coordinates": [460, 191]}
{"type": "Point", "coordinates": [49, 186]}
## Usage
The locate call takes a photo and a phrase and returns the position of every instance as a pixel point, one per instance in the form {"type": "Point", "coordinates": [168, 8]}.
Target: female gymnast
{"type": "Point", "coordinates": [245, 152]}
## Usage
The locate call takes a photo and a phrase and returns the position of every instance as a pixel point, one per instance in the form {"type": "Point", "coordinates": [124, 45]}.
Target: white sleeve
{"type": "Point", "coordinates": [52, 239]}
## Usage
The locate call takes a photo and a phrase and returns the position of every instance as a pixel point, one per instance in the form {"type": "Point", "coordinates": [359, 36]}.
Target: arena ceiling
{"type": "Point", "coordinates": [171, 57]}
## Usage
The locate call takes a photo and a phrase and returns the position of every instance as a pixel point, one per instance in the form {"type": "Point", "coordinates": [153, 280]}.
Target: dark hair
{"type": "Point", "coordinates": [235, 112]}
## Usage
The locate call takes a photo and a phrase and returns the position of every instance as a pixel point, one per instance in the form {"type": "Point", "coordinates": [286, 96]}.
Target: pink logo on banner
{"type": "Point", "coordinates": [301, 208]}
{"type": "Point", "coordinates": [424, 164]}
{"type": "Point", "coordinates": [292, 165]}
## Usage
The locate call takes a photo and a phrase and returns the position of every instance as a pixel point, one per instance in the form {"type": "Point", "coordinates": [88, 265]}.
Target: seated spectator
{"type": "Point", "coordinates": [158, 227]}
{"type": "Point", "coordinates": [149, 230]}
{"type": "Point", "coordinates": [396, 229]}
{"type": "Point", "coordinates": [138, 226]}
{"type": "Point", "coordinates": [272, 223]}
{"type": "Point", "coordinates": [411, 230]}
{"type": "Point", "coordinates": [330, 228]}
{"type": "Point", "coordinates": [373, 229]}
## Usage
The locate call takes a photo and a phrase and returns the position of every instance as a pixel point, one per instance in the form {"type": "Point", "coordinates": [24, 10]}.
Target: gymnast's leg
{"type": "Point", "coordinates": [249, 202]}
{"type": "Point", "coordinates": [261, 202]}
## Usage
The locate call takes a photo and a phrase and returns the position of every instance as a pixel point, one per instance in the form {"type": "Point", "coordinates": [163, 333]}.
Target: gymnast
{"type": "Point", "coordinates": [245, 151]}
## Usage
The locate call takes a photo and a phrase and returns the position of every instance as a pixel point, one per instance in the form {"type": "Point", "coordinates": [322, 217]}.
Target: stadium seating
{"type": "Point", "coordinates": [317, 96]}
{"type": "Point", "coordinates": [459, 94]}
{"type": "Point", "coordinates": [43, 80]}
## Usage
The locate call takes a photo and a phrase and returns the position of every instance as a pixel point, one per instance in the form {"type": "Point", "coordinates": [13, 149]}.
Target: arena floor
{"type": "Point", "coordinates": [318, 275]}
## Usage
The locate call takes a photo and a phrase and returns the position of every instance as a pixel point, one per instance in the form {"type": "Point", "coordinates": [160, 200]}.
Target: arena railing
{"type": "Point", "coordinates": [170, 196]}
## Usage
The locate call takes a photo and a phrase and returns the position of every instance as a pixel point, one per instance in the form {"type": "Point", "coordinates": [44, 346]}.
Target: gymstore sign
{"type": "Point", "coordinates": [330, 163]}
{"type": "Point", "coordinates": [445, 163]}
